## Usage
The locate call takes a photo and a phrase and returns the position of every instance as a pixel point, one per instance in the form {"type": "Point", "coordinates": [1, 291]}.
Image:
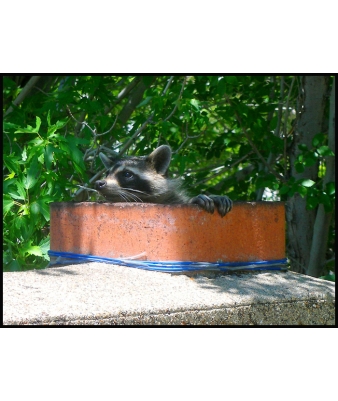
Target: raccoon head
{"type": "Point", "coordinates": [137, 179]}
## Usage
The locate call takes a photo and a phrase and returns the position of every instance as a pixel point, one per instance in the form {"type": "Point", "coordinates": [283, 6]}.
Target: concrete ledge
{"type": "Point", "coordinates": [104, 294]}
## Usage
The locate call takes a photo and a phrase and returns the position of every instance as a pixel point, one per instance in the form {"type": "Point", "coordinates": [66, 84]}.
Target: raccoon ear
{"type": "Point", "coordinates": [160, 158]}
{"type": "Point", "coordinates": [106, 161]}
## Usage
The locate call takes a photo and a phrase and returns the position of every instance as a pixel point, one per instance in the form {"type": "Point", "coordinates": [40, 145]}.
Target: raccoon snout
{"type": "Point", "coordinates": [100, 184]}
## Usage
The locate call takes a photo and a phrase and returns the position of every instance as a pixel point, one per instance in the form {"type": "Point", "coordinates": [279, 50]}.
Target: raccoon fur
{"type": "Point", "coordinates": [145, 179]}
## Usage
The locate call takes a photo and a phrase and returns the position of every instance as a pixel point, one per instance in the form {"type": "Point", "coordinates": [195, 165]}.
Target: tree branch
{"type": "Point", "coordinates": [271, 157]}
{"type": "Point", "coordinates": [322, 222]}
{"type": "Point", "coordinates": [286, 116]}
{"type": "Point", "coordinates": [128, 143]}
{"type": "Point", "coordinates": [24, 92]}
{"type": "Point", "coordinates": [134, 99]}
{"type": "Point", "coordinates": [124, 92]}
{"type": "Point", "coordinates": [179, 97]}
{"type": "Point", "coordinates": [239, 173]}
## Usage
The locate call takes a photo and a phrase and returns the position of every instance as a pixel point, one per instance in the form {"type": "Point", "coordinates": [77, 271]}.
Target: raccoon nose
{"type": "Point", "coordinates": [100, 184]}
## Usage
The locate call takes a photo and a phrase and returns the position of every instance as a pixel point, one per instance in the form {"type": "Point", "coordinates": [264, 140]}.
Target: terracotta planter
{"type": "Point", "coordinates": [252, 231]}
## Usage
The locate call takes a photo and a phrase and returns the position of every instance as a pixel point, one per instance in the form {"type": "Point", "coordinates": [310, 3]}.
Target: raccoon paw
{"type": "Point", "coordinates": [223, 203]}
{"type": "Point", "coordinates": [205, 202]}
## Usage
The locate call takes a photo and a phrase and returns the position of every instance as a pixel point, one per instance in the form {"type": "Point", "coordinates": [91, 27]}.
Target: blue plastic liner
{"type": "Point", "coordinates": [168, 266]}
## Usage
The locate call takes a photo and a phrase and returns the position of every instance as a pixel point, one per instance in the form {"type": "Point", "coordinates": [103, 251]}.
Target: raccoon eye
{"type": "Point", "coordinates": [127, 174]}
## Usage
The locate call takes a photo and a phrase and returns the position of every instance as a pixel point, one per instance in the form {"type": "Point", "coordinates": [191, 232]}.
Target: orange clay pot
{"type": "Point", "coordinates": [252, 231]}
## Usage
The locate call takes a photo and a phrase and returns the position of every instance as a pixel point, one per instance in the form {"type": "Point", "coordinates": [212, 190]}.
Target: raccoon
{"type": "Point", "coordinates": [145, 179]}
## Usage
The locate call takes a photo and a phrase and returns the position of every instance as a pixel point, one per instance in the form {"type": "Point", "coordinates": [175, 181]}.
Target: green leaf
{"type": "Point", "coordinates": [36, 141]}
{"type": "Point", "coordinates": [54, 127]}
{"type": "Point", "coordinates": [49, 156]}
{"type": "Point", "coordinates": [10, 176]}
{"type": "Point", "coordinates": [306, 183]}
{"type": "Point", "coordinates": [32, 174]}
{"type": "Point", "coordinates": [299, 167]}
{"type": "Point", "coordinates": [7, 203]}
{"type": "Point", "coordinates": [284, 189]}
{"type": "Point", "coordinates": [41, 207]}
{"type": "Point", "coordinates": [205, 112]}
{"type": "Point", "coordinates": [302, 191]}
{"type": "Point", "coordinates": [195, 104]}
{"type": "Point", "coordinates": [48, 118]}
{"type": "Point", "coordinates": [325, 151]}
{"type": "Point", "coordinates": [8, 125]}
{"type": "Point", "coordinates": [11, 163]}
{"type": "Point", "coordinates": [329, 277]}
{"type": "Point", "coordinates": [29, 129]}
{"type": "Point", "coordinates": [145, 101]}
{"type": "Point", "coordinates": [231, 79]}
{"type": "Point", "coordinates": [38, 124]}
{"type": "Point", "coordinates": [45, 246]}
{"type": "Point", "coordinates": [41, 158]}
{"type": "Point", "coordinates": [326, 200]}
{"type": "Point", "coordinates": [147, 79]}
{"type": "Point", "coordinates": [31, 249]}
{"type": "Point", "coordinates": [13, 266]}
{"type": "Point", "coordinates": [21, 190]}
{"type": "Point", "coordinates": [330, 188]}
{"type": "Point", "coordinates": [23, 210]}
{"type": "Point", "coordinates": [35, 209]}
{"type": "Point", "coordinates": [221, 87]}
{"type": "Point", "coordinates": [44, 206]}
{"type": "Point", "coordinates": [310, 159]}
{"type": "Point", "coordinates": [303, 147]}
{"type": "Point", "coordinates": [77, 157]}
{"type": "Point", "coordinates": [312, 202]}
{"type": "Point", "coordinates": [24, 154]}
{"type": "Point", "coordinates": [318, 139]}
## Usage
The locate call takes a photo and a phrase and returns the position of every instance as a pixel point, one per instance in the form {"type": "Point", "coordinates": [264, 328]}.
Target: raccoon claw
{"type": "Point", "coordinates": [223, 203]}
{"type": "Point", "coordinates": [204, 202]}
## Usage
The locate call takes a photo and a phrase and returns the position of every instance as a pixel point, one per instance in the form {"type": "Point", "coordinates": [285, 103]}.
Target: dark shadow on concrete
{"type": "Point", "coordinates": [56, 271]}
{"type": "Point", "coordinates": [279, 284]}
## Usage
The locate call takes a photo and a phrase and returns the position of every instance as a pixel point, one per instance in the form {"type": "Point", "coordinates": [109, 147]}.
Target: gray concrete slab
{"type": "Point", "coordinates": [100, 294]}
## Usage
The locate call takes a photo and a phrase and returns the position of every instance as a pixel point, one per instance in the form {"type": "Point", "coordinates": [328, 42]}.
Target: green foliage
{"type": "Point", "coordinates": [313, 191]}
{"type": "Point", "coordinates": [211, 123]}
{"type": "Point", "coordinates": [329, 277]}
{"type": "Point", "coordinates": [35, 177]}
